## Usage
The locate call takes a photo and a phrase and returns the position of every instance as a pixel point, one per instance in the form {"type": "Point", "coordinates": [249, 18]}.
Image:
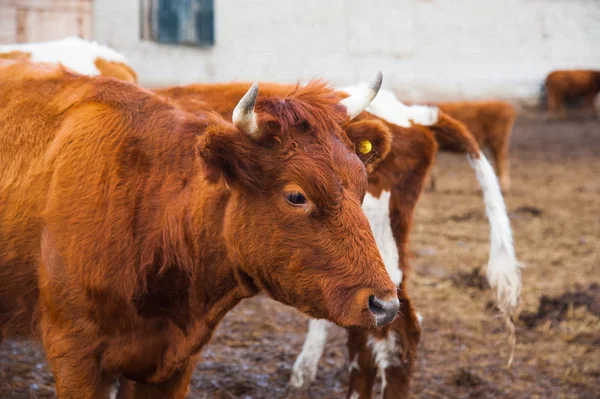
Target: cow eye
{"type": "Point", "coordinates": [296, 198]}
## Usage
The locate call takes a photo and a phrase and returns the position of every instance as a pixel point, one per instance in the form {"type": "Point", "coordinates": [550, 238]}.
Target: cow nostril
{"type": "Point", "coordinates": [383, 311]}
{"type": "Point", "coordinates": [375, 304]}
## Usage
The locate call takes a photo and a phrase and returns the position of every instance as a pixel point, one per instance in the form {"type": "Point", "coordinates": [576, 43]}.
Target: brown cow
{"type": "Point", "coordinates": [394, 188]}
{"type": "Point", "coordinates": [491, 123]}
{"type": "Point", "coordinates": [129, 228]}
{"type": "Point", "coordinates": [568, 86]}
{"type": "Point", "coordinates": [82, 56]}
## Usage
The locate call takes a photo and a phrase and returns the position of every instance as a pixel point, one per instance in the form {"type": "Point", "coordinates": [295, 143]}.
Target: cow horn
{"type": "Point", "coordinates": [244, 117]}
{"type": "Point", "coordinates": [358, 102]}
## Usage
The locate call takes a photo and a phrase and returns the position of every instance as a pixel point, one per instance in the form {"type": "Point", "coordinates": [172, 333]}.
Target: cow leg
{"type": "Point", "coordinates": [79, 378]}
{"type": "Point", "coordinates": [388, 353]}
{"type": "Point", "coordinates": [431, 179]}
{"type": "Point", "coordinates": [363, 369]}
{"type": "Point", "coordinates": [502, 167]}
{"type": "Point", "coordinates": [76, 369]}
{"type": "Point", "coordinates": [555, 104]}
{"type": "Point", "coordinates": [590, 101]}
{"type": "Point", "coordinates": [305, 367]}
{"type": "Point", "coordinates": [403, 339]}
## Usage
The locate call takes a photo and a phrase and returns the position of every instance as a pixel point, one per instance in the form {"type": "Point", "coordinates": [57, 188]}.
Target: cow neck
{"type": "Point", "coordinates": [218, 279]}
{"type": "Point", "coordinates": [216, 282]}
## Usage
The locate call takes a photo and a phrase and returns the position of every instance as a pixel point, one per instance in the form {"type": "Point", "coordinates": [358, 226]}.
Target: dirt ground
{"type": "Point", "coordinates": [555, 212]}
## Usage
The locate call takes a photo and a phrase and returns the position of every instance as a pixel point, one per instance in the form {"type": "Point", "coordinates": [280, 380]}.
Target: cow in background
{"type": "Point", "coordinates": [491, 124]}
{"type": "Point", "coordinates": [390, 352]}
{"type": "Point", "coordinates": [397, 173]}
{"type": "Point", "coordinates": [82, 56]}
{"type": "Point", "coordinates": [129, 227]}
{"type": "Point", "coordinates": [566, 87]}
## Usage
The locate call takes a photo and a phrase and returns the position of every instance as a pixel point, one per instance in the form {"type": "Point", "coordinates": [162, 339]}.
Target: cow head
{"type": "Point", "coordinates": [294, 222]}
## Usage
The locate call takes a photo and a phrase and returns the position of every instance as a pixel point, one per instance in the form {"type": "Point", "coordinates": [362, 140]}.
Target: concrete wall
{"type": "Point", "coordinates": [427, 49]}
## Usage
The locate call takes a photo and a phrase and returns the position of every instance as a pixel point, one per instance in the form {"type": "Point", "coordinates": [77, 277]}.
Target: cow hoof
{"type": "Point", "coordinates": [299, 382]}
{"type": "Point", "coordinates": [303, 375]}
{"type": "Point", "coordinates": [293, 392]}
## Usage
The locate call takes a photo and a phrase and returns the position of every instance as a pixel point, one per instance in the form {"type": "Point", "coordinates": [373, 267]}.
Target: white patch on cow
{"type": "Point", "coordinates": [378, 213]}
{"type": "Point", "coordinates": [354, 364]}
{"type": "Point", "coordinates": [305, 367]}
{"type": "Point", "coordinates": [420, 318]}
{"type": "Point", "coordinates": [503, 272]}
{"type": "Point", "coordinates": [114, 389]}
{"type": "Point", "coordinates": [72, 52]}
{"type": "Point", "coordinates": [385, 354]}
{"type": "Point", "coordinates": [386, 106]}
{"type": "Point", "coordinates": [354, 395]}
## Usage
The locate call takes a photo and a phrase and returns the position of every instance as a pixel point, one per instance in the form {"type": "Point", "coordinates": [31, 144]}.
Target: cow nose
{"type": "Point", "coordinates": [383, 311]}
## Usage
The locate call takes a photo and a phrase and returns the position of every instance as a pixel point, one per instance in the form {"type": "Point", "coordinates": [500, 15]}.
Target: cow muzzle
{"type": "Point", "coordinates": [384, 311]}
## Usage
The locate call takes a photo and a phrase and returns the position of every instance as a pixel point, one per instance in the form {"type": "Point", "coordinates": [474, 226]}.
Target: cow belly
{"type": "Point", "coordinates": [378, 213]}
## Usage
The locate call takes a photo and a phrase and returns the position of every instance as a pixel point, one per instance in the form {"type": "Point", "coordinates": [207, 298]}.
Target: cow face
{"type": "Point", "coordinates": [294, 222]}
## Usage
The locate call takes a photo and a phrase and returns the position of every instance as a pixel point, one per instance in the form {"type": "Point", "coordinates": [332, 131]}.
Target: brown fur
{"type": "Point", "coordinates": [490, 123]}
{"type": "Point", "coordinates": [15, 55]}
{"type": "Point", "coordinates": [400, 161]}
{"type": "Point", "coordinates": [117, 70]}
{"type": "Point", "coordinates": [221, 97]}
{"type": "Point", "coordinates": [567, 86]}
{"type": "Point", "coordinates": [129, 228]}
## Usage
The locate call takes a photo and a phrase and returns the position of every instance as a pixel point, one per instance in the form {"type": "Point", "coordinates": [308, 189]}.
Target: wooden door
{"type": "Point", "coordinates": [26, 21]}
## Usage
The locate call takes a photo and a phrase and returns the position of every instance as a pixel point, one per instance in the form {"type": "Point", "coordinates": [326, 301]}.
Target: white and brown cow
{"type": "Point", "coordinates": [82, 56]}
{"type": "Point", "coordinates": [394, 186]}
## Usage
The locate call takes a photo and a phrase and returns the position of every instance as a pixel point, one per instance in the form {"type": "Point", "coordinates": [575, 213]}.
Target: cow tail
{"type": "Point", "coordinates": [453, 135]}
{"type": "Point", "coordinates": [503, 269]}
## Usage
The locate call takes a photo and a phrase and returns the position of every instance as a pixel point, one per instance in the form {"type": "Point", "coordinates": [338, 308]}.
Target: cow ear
{"type": "Point", "coordinates": [372, 141]}
{"type": "Point", "coordinates": [232, 156]}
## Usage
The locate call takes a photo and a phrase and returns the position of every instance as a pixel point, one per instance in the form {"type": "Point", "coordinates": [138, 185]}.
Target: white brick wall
{"type": "Point", "coordinates": [427, 49]}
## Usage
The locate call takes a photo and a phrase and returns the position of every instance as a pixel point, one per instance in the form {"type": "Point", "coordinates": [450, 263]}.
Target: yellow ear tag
{"type": "Point", "coordinates": [365, 147]}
